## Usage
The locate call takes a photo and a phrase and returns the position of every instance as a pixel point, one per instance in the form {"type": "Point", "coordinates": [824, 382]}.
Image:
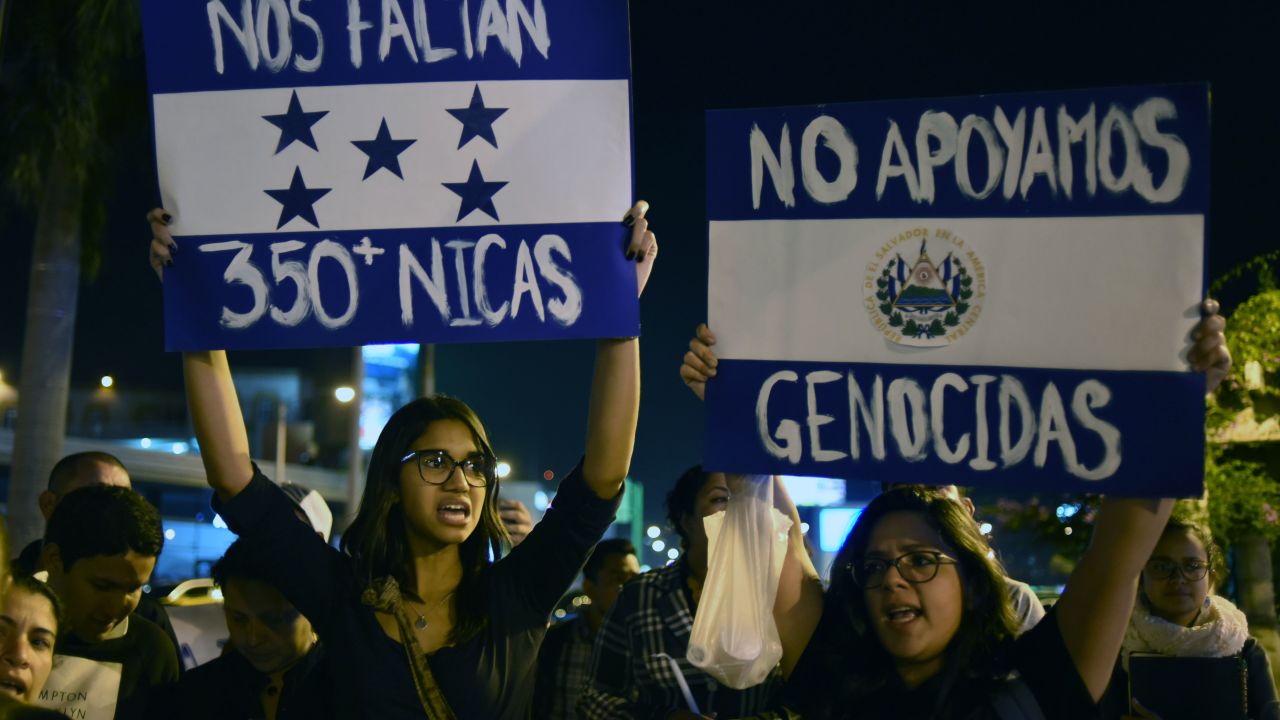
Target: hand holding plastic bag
{"type": "Point", "coordinates": [734, 638]}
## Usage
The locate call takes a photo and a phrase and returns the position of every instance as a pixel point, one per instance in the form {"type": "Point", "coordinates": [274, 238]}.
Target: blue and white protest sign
{"type": "Point", "coordinates": [986, 291]}
{"type": "Point", "coordinates": [371, 171]}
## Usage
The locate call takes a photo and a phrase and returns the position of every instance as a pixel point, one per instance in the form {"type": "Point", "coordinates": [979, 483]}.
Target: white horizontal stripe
{"type": "Point", "coordinates": [1112, 293]}
{"type": "Point", "coordinates": [563, 148]}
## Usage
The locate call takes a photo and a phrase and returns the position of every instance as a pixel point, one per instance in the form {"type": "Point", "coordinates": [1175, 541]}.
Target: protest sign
{"type": "Point", "coordinates": [375, 171]}
{"type": "Point", "coordinates": [82, 688]}
{"type": "Point", "coordinates": [986, 291]}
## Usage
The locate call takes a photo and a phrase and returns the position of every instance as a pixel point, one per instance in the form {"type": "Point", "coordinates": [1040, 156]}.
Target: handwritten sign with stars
{"type": "Point", "coordinates": [392, 170]}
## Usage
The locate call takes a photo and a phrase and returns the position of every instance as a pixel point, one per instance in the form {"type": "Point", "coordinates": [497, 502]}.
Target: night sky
{"type": "Point", "coordinates": [689, 57]}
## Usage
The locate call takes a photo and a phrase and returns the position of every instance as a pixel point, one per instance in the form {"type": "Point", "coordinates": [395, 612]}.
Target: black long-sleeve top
{"type": "Point", "coordinates": [490, 675]}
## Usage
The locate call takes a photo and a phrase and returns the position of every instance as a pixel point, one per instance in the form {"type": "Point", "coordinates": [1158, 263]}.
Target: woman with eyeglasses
{"type": "Point", "coordinates": [417, 618]}
{"type": "Point", "coordinates": [916, 622]}
{"type": "Point", "coordinates": [1178, 614]}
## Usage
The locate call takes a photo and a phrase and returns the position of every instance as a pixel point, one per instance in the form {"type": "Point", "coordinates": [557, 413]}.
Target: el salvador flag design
{"type": "Point", "coordinates": [987, 291]}
{"type": "Point", "coordinates": [392, 170]}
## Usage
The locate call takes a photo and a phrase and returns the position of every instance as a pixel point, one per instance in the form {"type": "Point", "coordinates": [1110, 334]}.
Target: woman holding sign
{"type": "Point", "coordinates": [916, 625]}
{"type": "Point", "coordinates": [423, 622]}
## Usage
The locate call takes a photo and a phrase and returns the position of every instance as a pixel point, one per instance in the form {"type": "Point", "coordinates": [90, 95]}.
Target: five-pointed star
{"type": "Point", "coordinates": [477, 120]}
{"type": "Point", "coordinates": [295, 124]}
{"type": "Point", "coordinates": [383, 152]}
{"type": "Point", "coordinates": [476, 193]}
{"type": "Point", "coordinates": [297, 200]}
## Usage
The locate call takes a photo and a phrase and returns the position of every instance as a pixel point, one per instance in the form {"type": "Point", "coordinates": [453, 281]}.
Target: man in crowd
{"type": "Point", "coordinates": [71, 473]}
{"type": "Point", "coordinates": [564, 663]}
{"type": "Point", "coordinates": [12, 708]}
{"type": "Point", "coordinates": [273, 667]}
{"type": "Point", "coordinates": [100, 547]}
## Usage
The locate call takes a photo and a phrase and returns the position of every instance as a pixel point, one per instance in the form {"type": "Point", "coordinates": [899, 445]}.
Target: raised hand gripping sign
{"type": "Point", "coordinates": [987, 291]}
{"type": "Point", "coordinates": [345, 173]}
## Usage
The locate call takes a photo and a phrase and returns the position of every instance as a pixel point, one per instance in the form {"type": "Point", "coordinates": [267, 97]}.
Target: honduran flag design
{"type": "Point", "coordinates": [986, 291]}
{"type": "Point", "coordinates": [346, 173]}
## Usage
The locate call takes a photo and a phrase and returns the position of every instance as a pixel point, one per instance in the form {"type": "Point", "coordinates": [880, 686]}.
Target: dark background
{"type": "Point", "coordinates": [688, 57]}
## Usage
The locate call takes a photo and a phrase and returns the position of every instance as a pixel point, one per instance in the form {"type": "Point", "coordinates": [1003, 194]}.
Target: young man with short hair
{"type": "Point", "coordinates": [273, 666]}
{"type": "Point", "coordinates": [564, 662]}
{"type": "Point", "coordinates": [80, 470]}
{"type": "Point", "coordinates": [71, 473]}
{"type": "Point", "coordinates": [100, 548]}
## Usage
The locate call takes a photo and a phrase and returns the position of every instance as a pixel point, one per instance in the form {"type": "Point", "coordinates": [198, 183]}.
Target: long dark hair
{"type": "Point", "coordinates": [850, 653]}
{"type": "Point", "coordinates": [376, 539]}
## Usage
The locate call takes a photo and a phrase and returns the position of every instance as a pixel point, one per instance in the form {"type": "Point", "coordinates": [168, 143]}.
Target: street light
{"type": "Point", "coordinates": [107, 381]}
{"type": "Point", "coordinates": [502, 469]}
{"type": "Point", "coordinates": [344, 394]}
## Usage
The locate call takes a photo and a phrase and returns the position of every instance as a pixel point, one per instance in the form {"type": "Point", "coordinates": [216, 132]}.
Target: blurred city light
{"type": "Point", "coordinates": [107, 381]}
{"type": "Point", "coordinates": [673, 553]}
{"type": "Point", "coordinates": [659, 546]}
{"type": "Point", "coordinates": [344, 394]}
{"type": "Point", "coordinates": [502, 469]}
{"type": "Point", "coordinates": [180, 448]}
{"type": "Point", "coordinates": [834, 525]}
{"type": "Point", "coordinates": [145, 443]}
{"type": "Point", "coordinates": [540, 500]}
{"type": "Point", "coordinates": [653, 532]}
{"type": "Point", "coordinates": [985, 528]}
{"type": "Point", "coordinates": [170, 534]}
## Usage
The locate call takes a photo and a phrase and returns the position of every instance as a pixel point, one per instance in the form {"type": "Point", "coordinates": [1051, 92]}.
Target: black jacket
{"type": "Point", "coordinates": [229, 688]}
{"type": "Point", "coordinates": [1262, 701]}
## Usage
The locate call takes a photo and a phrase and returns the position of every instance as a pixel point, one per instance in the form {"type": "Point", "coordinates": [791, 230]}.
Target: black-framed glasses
{"type": "Point", "coordinates": [1192, 570]}
{"type": "Point", "coordinates": [435, 467]}
{"type": "Point", "coordinates": [919, 566]}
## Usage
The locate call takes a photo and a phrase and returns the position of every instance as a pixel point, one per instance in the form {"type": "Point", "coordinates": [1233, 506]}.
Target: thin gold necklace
{"type": "Point", "coordinates": [421, 622]}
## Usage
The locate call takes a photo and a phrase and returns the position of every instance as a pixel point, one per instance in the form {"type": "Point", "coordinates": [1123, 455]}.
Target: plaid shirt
{"type": "Point", "coordinates": [653, 615]}
{"type": "Point", "coordinates": [564, 667]}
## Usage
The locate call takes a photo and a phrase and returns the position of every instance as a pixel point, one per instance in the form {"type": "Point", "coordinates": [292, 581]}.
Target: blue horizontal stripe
{"type": "Point", "coordinates": [196, 291]}
{"type": "Point", "coordinates": [1157, 419]}
{"type": "Point", "coordinates": [588, 41]}
{"type": "Point", "coordinates": [730, 193]}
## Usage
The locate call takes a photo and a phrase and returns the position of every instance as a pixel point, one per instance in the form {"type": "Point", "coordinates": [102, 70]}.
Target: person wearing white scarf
{"type": "Point", "coordinates": [1177, 614]}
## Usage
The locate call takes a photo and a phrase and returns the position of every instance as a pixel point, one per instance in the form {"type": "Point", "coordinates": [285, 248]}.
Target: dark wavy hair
{"type": "Point", "coordinates": [28, 584]}
{"type": "Point", "coordinates": [104, 520]}
{"type": "Point", "coordinates": [376, 539]}
{"type": "Point", "coordinates": [850, 655]}
{"type": "Point", "coordinates": [682, 500]}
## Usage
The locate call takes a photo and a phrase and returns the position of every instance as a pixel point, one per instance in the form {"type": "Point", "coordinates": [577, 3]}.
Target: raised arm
{"type": "Point", "coordinates": [615, 387]}
{"type": "Point", "coordinates": [1095, 608]}
{"type": "Point", "coordinates": [211, 396]}
{"type": "Point", "coordinates": [798, 606]}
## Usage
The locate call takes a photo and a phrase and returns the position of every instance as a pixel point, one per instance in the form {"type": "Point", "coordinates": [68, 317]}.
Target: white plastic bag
{"type": "Point", "coordinates": [734, 638]}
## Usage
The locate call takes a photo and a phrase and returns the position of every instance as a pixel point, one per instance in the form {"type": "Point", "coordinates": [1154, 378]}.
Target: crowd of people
{"type": "Point", "coordinates": [437, 601]}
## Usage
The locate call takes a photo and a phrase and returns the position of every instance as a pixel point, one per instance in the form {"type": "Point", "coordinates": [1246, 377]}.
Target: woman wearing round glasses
{"type": "Point", "coordinates": [1179, 615]}
{"type": "Point", "coordinates": [917, 623]}
{"type": "Point", "coordinates": [419, 620]}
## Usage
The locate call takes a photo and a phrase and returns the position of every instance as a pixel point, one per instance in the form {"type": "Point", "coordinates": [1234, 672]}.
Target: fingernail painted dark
{"type": "Point", "coordinates": [167, 218]}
